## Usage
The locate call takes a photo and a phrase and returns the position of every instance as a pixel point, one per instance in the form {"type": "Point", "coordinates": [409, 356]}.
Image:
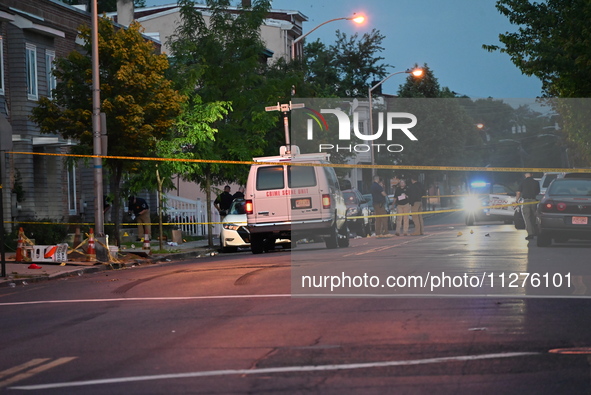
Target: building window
{"type": "Point", "coordinates": [49, 66]}
{"type": "Point", "coordinates": [72, 206]}
{"type": "Point", "coordinates": [1, 65]}
{"type": "Point", "coordinates": [31, 61]}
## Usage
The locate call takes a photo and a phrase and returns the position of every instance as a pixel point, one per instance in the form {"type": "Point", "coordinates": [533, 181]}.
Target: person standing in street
{"type": "Point", "coordinates": [140, 209]}
{"type": "Point", "coordinates": [239, 194]}
{"type": "Point", "coordinates": [403, 208]}
{"type": "Point", "coordinates": [223, 202]}
{"type": "Point", "coordinates": [529, 190]}
{"type": "Point", "coordinates": [378, 196]}
{"type": "Point", "coordinates": [415, 197]}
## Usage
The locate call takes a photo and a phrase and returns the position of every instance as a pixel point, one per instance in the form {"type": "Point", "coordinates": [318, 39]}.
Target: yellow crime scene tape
{"type": "Point", "coordinates": [451, 210]}
{"type": "Point", "coordinates": [335, 165]}
{"type": "Point", "coordinates": [338, 165]}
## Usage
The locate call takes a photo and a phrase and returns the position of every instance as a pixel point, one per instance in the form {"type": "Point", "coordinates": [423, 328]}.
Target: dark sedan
{"type": "Point", "coordinates": [565, 212]}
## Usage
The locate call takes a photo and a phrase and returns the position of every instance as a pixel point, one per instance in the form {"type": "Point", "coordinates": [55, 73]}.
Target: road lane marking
{"type": "Point", "coordinates": [284, 369]}
{"type": "Point", "coordinates": [36, 370]}
{"type": "Point", "coordinates": [26, 365]}
{"type": "Point", "coordinates": [165, 298]}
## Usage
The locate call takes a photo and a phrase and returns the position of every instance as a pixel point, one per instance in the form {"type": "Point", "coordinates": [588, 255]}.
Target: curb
{"type": "Point", "coordinates": [200, 252]}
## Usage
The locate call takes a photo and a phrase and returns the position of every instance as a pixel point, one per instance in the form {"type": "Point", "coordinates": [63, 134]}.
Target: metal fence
{"type": "Point", "coordinates": [191, 215]}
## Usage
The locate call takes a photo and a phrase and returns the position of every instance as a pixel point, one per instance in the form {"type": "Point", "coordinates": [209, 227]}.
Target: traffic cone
{"type": "Point", "coordinates": [146, 245]}
{"type": "Point", "coordinates": [19, 246]}
{"type": "Point", "coordinates": [90, 251]}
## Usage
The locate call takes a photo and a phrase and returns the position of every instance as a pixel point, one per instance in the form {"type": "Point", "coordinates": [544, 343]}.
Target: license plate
{"type": "Point", "coordinates": [579, 220]}
{"type": "Point", "coordinates": [301, 203]}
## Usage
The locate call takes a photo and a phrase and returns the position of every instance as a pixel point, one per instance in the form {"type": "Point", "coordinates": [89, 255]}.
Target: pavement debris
{"type": "Point", "coordinates": [23, 273]}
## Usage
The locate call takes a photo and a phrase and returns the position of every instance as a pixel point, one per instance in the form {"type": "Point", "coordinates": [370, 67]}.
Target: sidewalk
{"type": "Point", "coordinates": [20, 274]}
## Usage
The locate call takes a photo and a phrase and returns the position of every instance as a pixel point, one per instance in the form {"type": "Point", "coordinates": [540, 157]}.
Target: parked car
{"type": "Point", "coordinates": [234, 233]}
{"type": "Point", "coordinates": [547, 178]}
{"type": "Point", "coordinates": [357, 206]}
{"type": "Point", "coordinates": [565, 211]}
{"type": "Point", "coordinates": [489, 202]}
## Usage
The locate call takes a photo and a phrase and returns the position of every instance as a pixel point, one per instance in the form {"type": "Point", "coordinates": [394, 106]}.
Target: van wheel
{"type": "Point", "coordinates": [344, 237]}
{"type": "Point", "coordinates": [332, 241]}
{"type": "Point", "coordinates": [269, 244]}
{"type": "Point", "coordinates": [257, 245]}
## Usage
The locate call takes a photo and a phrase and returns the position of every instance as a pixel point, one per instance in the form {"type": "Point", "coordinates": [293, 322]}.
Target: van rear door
{"type": "Point", "coordinates": [270, 203]}
{"type": "Point", "coordinates": [305, 198]}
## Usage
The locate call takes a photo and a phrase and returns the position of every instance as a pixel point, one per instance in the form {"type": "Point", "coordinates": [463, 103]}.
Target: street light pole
{"type": "Point", "coordinates": [96, 128]}
{"type": "Point", "coordinates": [418, 72]}
{"type": "Point", "coordinates": [356, 19]}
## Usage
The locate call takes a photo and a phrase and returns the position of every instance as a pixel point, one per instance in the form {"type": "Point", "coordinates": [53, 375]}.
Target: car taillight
{"type": "Point", "coordinates": [326, 201]}
{"type": "Point", "coordinates": [552, 206]}
{"type": "Point", "coordinates": [548, 206]}
{"type": "Point", "coordinates": [248, 207]}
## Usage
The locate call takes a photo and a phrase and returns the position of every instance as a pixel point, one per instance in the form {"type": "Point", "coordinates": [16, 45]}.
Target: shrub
{"type": "Point", "coordinates": [45, 232]}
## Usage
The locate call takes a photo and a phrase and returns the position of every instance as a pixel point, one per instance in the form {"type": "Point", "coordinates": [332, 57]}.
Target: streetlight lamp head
{"type": "Point", "coordinates": [417, 72]}
{"type": "Point", "coordinates": [357, 19]}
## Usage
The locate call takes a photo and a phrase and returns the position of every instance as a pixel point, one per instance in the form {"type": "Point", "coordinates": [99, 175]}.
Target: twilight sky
{"type": "Point", "coordinates": [446, 35]}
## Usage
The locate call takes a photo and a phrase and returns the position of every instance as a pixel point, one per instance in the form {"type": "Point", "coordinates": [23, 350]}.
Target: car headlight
{"type": "Point", "coordinates": [472, 203]}
{"type": "Point", "coordinates": [231, 226]}
{"type": "Point", "coordinates": [351, 211]}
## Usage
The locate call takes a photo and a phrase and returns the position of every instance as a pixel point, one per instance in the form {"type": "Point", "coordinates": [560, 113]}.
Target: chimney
{"type": "Point", "coordinates": [246, 3]}
{"type": "Point", "coordinates": [125, 12]}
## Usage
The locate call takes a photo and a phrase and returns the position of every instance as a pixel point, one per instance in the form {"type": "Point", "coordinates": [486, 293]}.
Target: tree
{"type": "Point", "coordinates": [345, 68]}
{"type": "Point", "coordinates": [140, 103]}
{"type": "Point", "coordinates": [221, 61]}
{"type": "Point", "coordinates": [552, 43]}
{"type": "Point", "coordinates": [447, 135]}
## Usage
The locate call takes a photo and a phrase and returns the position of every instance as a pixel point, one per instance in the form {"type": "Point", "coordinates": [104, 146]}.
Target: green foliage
{"type": "Point", "coordinates": [552, 43]}
{"type": "Point", "coordinates": [344, 69]}
{"type": "Point", "coordinates": [425, 86]}
{"type": "Point", "coordinates": [219, 65]}
{"type": "Point", "coordinates": [46, 232]}
{"type": "Point", "coordinates": [139, 101]}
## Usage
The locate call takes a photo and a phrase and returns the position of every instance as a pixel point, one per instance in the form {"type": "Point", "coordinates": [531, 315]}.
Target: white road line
{"type": "Point", "coordinates": [34, 371]}
{"type": "Point", "coordinates": [146, 299]}
{"type": "Point", "coordinates": [286, 369]}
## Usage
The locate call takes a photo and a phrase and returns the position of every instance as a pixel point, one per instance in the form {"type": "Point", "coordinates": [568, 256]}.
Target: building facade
{"type": "Point", "coordinates": [32, 35]}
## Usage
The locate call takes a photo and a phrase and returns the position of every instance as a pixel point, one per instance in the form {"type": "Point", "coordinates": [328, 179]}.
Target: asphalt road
{"type": "Point", "coordinates": [229, 324]}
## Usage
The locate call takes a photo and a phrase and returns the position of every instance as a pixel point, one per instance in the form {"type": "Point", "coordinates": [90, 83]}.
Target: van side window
{"type": "Point", "coordinates": [301, 176]}
{"type": "Point", "coordinates": [270, 177]}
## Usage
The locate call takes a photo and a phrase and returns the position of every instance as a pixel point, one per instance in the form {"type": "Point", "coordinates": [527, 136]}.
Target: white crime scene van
{"type": "Point", "coordinates": [287, 197]}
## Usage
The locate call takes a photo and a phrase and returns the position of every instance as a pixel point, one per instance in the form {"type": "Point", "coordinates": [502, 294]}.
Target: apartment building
{"type": "Point", "coordinates": [32, 34]}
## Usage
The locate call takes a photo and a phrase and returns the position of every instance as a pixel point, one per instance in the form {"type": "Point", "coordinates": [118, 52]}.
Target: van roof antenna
{"type": "Point", "coordinates": [285, 108]}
